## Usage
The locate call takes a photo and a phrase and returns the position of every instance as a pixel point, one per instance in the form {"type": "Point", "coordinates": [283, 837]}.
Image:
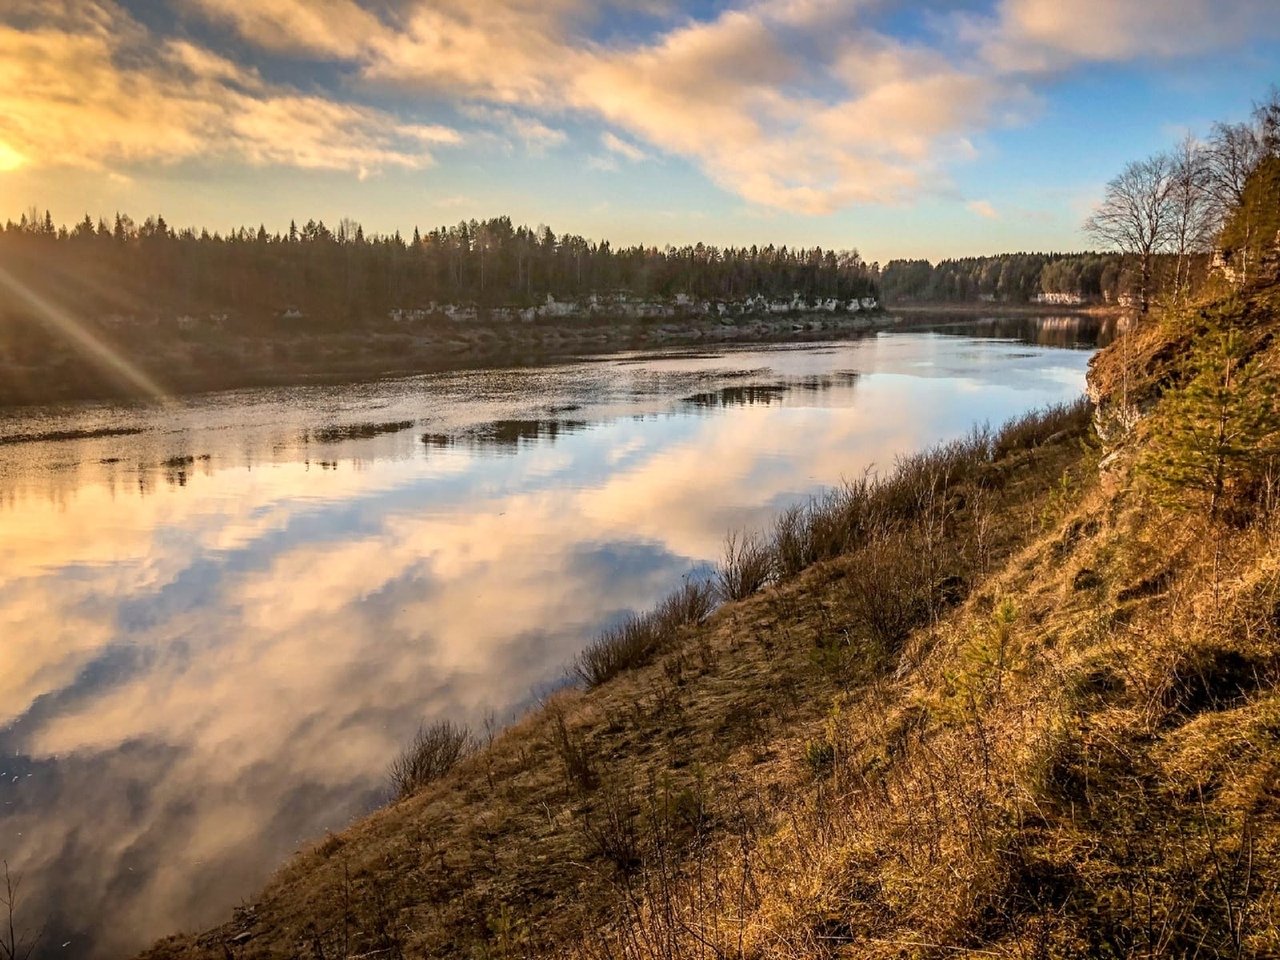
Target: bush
{"type": "Point", "coordinates": [1216, 438]}
{"type": "Point", "coordinates": [887, 594]}
{"type": "Point", "coordinates": [747, 566]}
{"type": "Point", "coordinates": [641, 637]}
{"type": "Point", "coordinates": [793, 547]}
{"type": "Point", "coordinates": [432, 753]}
{"type": "Point", "coordinates": [819, 756]}
{"type": "Point", "coordinates": [575, 755]}
{"type": "Point", "coordinates": [1040, 426]}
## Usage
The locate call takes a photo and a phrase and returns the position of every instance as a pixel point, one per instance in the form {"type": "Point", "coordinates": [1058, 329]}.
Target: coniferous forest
{"type": "Point", "coordinates": [343, 275]}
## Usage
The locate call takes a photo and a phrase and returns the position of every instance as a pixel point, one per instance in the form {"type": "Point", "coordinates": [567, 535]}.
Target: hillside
{"type": "Point", "coordinates": [1017, 700]}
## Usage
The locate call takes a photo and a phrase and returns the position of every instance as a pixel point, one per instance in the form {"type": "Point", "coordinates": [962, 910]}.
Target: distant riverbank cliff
{"type": "Point", "coordinates": [127, 356]}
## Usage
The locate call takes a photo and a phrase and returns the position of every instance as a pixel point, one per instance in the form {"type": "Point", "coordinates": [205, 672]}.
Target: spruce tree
{"type": "Point", "coordinates": [1216, 435]}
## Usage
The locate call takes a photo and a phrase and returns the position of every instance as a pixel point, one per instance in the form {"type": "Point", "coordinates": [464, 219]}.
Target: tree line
{"type": "Point", "coordinates": [346, 274]}
{"type": "Point", "coordinates": [1006, 277]}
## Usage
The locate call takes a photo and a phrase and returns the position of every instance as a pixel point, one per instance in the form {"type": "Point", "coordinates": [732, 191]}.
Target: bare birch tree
{"type": "Point", "coordinates": [1135, 216]}
{"type": "Point", "coordinates": [1192, 212]}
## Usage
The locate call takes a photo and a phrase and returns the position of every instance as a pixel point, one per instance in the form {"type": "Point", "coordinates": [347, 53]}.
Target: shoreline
{"type": "Point", "coordinates": [185, 369]}
{"type": "Point", "coordinates": [974, 310]}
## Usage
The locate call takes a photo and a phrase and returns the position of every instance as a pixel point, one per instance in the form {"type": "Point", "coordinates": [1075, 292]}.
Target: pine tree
{"type": "Point", "coordinates": [1218, 434]}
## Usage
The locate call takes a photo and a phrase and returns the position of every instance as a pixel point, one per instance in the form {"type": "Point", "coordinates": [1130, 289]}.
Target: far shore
{"type": "Point", "coordinates": [974, 309]}
{"type": "Point", "coordinates": [187, 365]}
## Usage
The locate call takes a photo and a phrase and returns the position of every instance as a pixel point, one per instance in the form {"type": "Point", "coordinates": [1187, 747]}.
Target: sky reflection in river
{"type": "Point", "coordinates": [219, 629]}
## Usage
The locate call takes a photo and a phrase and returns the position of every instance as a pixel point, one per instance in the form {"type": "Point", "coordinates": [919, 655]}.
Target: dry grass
{"type": "Point", "coordinates": [747, 566]}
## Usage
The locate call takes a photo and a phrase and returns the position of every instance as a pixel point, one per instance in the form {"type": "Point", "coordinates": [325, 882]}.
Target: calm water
{"type": "Point", "coordinates": [220, 620]}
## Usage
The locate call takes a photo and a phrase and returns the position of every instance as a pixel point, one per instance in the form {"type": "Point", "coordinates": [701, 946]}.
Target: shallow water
{"type": "Point", "coordinates": [221, 618]}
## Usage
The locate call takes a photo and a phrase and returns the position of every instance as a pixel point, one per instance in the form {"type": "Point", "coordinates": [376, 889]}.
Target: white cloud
{"type": "Point", "coordinates": [984, 209]}
{"type": "Point", "coordinates": [798, 105]}
{"type": "Point", "coordinates": [454, 201]}
{"type": "Point", "coordinates": [615, 144]}
{"type": "Point", "coordinates": [335, 28]}
{"type": "Point", "coordinates": [535, 134]}
{"type": "Point", "coordinates": [1044, 35]}
{"type": "Point", "coordinates": [754, 97]}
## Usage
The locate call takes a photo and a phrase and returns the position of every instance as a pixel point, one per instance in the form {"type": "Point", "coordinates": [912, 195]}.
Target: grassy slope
{"type": "Point", "coordinates": [1074, 751]}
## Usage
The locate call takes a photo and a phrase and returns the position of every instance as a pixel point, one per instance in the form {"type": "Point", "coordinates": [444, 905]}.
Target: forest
{"type": "Point", "coordinates": [345, 275]}
{"type": "Point", "coordinates": [1006, 277]}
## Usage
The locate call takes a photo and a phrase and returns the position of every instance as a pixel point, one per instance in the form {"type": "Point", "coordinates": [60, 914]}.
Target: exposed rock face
{"type": "Point", "coordinates": [681, 306]}
{"type": "Point", "coordinates": [1121, 397]}
{"type": "Point", "coordinates": [1113, 419]}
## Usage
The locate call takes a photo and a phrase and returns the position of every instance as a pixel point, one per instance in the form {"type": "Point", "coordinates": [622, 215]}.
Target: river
{"type": "Point", "coordinates": [221, 617]}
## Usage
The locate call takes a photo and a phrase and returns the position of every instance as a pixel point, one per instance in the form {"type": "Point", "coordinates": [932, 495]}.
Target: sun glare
{"type": "Point", "coordinates": [10, 159]}
{"type": "Point", "coordinates": [83, 339]}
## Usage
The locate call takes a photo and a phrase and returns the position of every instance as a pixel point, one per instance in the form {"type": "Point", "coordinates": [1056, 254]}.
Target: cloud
{"type": "Point", "coordinates": [535, 134]}
{"type": "Point", "coordinates": [984, 209]}
{"type": "Point", "coordinates": [1048, 35]}
{"type": "Point", "coordinates": [327, 28]}
{"type": "Point", "coordinates": [615, 144]}
{"type": "Point", "coordinates": [743, 99]}
{"type": "Point", "coordinates": [768, 100]}
{"type": "Point", "coordinates": [797, 105]}
{"type": "Point", "coordinates": [513, 52]}
{"type": "Point", "coordinates": [95, 89]}
{"type": "Point", "coordinates": [454, 201]}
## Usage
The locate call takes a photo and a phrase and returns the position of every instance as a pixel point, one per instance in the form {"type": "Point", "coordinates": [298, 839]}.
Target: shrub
{"type": "Point", "coordinates": [1041, 426]}
{"type": "Point", "coordinates": [793, 540]}
{"type": "Point", "coordinates": [819, 756]}
{"type": "Point", "coordinates": [639, 638]}
{"type": "Point", "coordinates": [886, 594]}
{"type": "Point", "coordinates": [574, 753]}
{"type": "Point", "coordinates": [432, 753]}
{"type": "Point", "coordinates": [746, 567]}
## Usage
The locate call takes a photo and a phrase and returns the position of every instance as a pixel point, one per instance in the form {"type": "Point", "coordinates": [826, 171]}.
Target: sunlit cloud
{"type": "Point", "coordinates": [984, 209]}
{"type": "Point", "coordinates": [615, 144]}
{"type": "Point", "coordinates": [96, 90]}
{"type": "Point", "coordinates": [806, 106]}
{"type": "Point", "coordinates": [1046, 35]}
{"type": "Point", "coordinates": [327, 28]}
{"type": "Point", "coordinates": [533, 133]}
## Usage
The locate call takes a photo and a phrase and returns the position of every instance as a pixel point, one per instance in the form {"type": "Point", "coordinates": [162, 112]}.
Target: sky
{"type": "Point", "coordinates": [930, 129]}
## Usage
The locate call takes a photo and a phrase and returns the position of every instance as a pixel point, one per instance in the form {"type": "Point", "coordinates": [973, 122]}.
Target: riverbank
{"type": "Point", "coordinates": [187, 362]}
{"type": "Point", "coordinates": [974, 310]}
{"type": "Point", "coordinates": [1013, 701]}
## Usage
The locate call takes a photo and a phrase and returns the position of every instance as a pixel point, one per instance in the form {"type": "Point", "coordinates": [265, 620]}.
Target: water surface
{"type": "Point", "coordinates": [221, 618]}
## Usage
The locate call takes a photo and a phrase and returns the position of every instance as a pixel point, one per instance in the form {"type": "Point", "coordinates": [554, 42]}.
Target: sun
{"type": "Point", "coordinates": [10, 159]}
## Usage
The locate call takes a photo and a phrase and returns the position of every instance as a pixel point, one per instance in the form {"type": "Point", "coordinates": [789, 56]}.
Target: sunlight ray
{"type": "Point", "coordinates": [83, 339]}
